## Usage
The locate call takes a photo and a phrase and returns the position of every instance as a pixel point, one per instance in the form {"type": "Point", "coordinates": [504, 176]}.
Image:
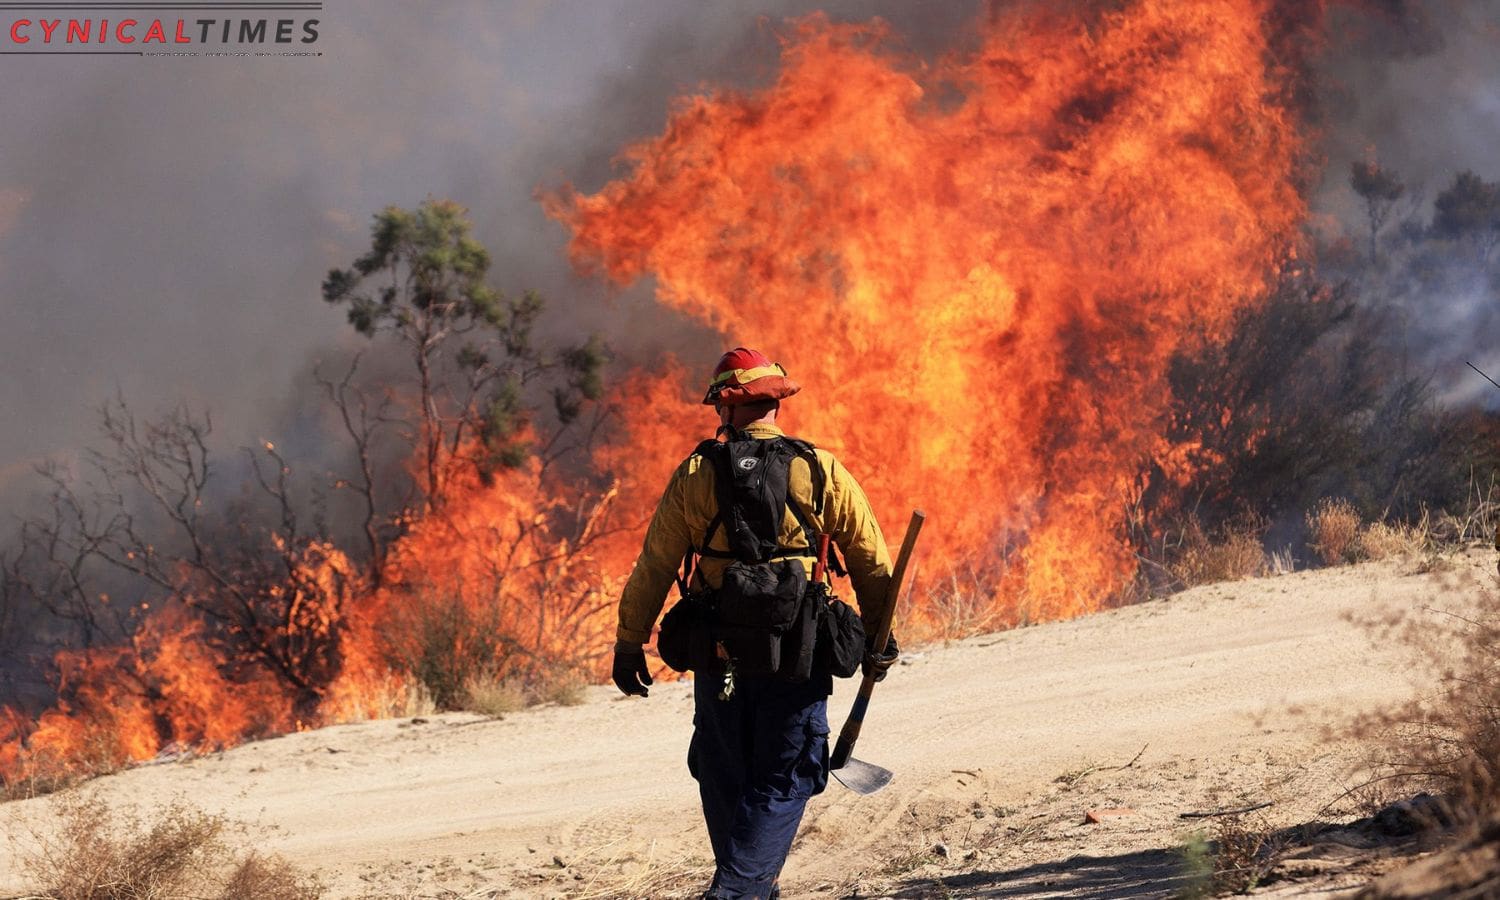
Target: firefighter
{"type": "Point", "coordinates": [759, 749]}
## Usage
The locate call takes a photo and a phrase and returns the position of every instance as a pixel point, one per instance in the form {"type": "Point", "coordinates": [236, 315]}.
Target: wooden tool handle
{"type": "Point", "coordinates": [850, 732]}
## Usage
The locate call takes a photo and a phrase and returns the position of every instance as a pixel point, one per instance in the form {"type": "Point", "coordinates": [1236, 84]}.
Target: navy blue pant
{"type": "Point", "coordinates": [758, 757]}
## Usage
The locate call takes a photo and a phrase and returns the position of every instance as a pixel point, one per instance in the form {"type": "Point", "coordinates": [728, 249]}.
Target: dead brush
{"type": "Point", "coordinates": [1189, 554]}
{"type": "Point", "coordinates": [1333, 531]}
{"type": "Point", "coordinates": [493, 694]}
{"type": "Point", "coordinates": [1390, 540]}
{"type": "Point", "coordinates": [1244, 854]}
{"type": "Point", "coordinates": [1447, 739]}
{"type": "Point", "coordinates": [1475, 520]}
{"type": "Point", "coordinates": [99, 852]}
{"type": "Point", "coordinates": [1236, 556]}
{"type": "Point", "coordinates": [392, 696]}
{"type": "Point", "coordinates": [626, 876]}
{"type": "Point", "coordinates": [960, 606]}
{"type": "Point", "coordinates": [1237, 857]}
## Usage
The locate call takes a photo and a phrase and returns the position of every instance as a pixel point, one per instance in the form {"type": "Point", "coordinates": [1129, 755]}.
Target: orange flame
{"type": "Point", "coordinates": [978, 269]}
{"type": "Point", "coordinates": [166, 689]}
{"type": "Point", "coordinates": [981, 270]}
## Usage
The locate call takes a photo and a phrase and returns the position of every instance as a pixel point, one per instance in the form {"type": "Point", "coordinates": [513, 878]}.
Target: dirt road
{"type": "Point", "coordinates": [1219, 696]}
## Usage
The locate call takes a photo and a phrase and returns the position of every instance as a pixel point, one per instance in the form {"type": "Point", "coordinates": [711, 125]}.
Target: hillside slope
{"type": "Point", "coordinates": [1216, 697]}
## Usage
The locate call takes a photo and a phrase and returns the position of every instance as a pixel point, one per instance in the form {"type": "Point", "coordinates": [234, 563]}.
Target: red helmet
{"type": "Point", "coordinates": [745, 376]}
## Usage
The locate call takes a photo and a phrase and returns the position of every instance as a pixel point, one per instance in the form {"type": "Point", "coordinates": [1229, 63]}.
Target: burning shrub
{"type": "Point", "coordinates": [506, 584]}
{"type": "Point", "coordinates": [246, 616]}
{"type": "Point", "coordinates": [443, 643]}
{"type": "Point", "coordinates": [1333, 527]}
{"type": "Point", "coordinates": [102, 853]}
{"type": "Point", "coordinates": [165, 689]}
{"type": "Point", "coordinates": [380, 695]}
{"type": "Point", "coordinates": [958, 606]}
{"type": "Point", "coordinates": [940, 239]}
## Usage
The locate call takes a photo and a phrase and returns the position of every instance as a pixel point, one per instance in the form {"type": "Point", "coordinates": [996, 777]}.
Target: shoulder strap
{"type": "Point", "coordinates": [808, 452]}
{"type": "Point", "coordinates": [809, 455]}
{"type": "Point", "coordinates": [717, 454]}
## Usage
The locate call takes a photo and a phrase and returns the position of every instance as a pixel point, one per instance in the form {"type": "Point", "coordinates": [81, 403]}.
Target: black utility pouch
{"type": "Point", "coordinates": [841, 639]}
{"type": "Point", "coordinates": [685, 641]}
{"type": "Point", "coordinates": [757, 606]}
{"type": "Point", "coordinates": [799, 642]}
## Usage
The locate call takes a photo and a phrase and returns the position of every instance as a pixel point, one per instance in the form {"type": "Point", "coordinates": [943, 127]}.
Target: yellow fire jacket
{"type": "Point", "coordinates": [687, 506]}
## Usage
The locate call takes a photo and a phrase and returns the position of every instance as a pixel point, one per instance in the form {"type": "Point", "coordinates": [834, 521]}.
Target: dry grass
{"type": "Point", "coordinates": [956, 607]}
{"type": "Point", "coordinates": [649, 879]}
{"type": "Point", "coordinates": [102, 853]}
{"type": "Point", "coordinates": [491, 696]}
{"type": "Point", "coordinates": [564, 687]}
{"type": "Point", "coordinates": [1245, 852]}
{"type": "Point", "coordinates": [393, 697]}
{"type": "Point", "coordinates": [1281, 562]}
{"type": "Point", "coordinates": [1390, 540]}
{"type": "Point", "coordinates": [494, 695]}
{"type": "Point", "coordinates": [47, 773]}
{"type": "Point", "coordinates": [1333, 531]}
{"type": "Point", "coordinates": [1200, 561]}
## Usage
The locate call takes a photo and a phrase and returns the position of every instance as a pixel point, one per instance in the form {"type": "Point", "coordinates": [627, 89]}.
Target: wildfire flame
{"type": "Point", "coordinates": [978, 268]}
{"type": "Point", "coordinates": [979, 271]}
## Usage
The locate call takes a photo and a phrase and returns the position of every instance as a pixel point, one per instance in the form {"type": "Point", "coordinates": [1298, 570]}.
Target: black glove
{"type": "Point", "coordinates": [630, 673]}
{"type": "Point", "coordinates": [876, 666]}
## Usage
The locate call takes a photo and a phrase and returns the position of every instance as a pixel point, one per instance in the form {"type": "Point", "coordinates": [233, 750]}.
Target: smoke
{"type": "Point", "coordinates": [1413, 85]}
{"type": "Point", "coordinates": [165, 223]}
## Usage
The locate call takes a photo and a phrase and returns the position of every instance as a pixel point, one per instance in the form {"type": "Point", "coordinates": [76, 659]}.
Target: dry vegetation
{"type": "Point", "coordinates": [1240, 855]}
{"type": "Point", "coordinates": [1447, 741]}
{"type": "Point", "coordinates": [489, 694]}
{"type": "Point", "coordinates": [1333, 531]}
{"type": "Point", "coordinates": [1390, 540]}
{"type": "Point", "coordinates": [1237, 555]}
{"type": "Point", "coordinates": [1436, 758]}
{"type": "Point", "coordinates": [101, 853]}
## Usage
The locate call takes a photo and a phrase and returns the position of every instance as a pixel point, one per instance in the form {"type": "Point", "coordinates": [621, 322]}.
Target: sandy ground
{"type": "Point", "coordinates": [1217, 697]}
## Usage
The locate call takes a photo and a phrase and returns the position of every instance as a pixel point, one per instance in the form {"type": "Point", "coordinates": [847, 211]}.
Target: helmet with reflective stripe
{"type": "Point", "coordinates": [746, 376]}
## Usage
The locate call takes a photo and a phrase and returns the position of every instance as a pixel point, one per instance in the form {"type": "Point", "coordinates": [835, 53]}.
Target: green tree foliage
{"type": "Point", "coordinates": [478, 362]}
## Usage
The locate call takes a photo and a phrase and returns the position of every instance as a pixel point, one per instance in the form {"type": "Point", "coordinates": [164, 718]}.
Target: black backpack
{"type": "Point", "coordinates": [763, 614]}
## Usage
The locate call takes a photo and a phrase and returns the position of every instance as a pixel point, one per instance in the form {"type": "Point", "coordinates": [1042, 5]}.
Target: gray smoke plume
{"type": "Point", "coordinates": [165, 223]}
{"type": "Point", "coordinates": [1416, 86]}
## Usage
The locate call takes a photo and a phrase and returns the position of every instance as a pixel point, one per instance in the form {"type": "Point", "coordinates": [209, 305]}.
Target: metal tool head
{"type": "Point", "coordinates": [861, 777]}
